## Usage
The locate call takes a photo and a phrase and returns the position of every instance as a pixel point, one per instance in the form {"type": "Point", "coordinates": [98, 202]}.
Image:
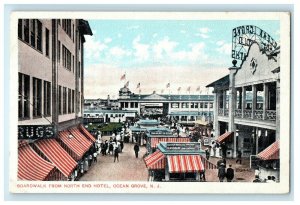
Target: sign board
{"type": "Point", "coordinates": [244, 36]}
{"type": "Point", "coordinates": [26, 132]}
{"type": "Point", "coordinates": [161, 132]}
{"type": "Point", "coordinates": [183, 146]}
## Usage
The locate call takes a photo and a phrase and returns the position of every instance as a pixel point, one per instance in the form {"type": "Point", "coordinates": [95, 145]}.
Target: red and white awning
{"type": "Point", "coordinates": [57, 155]}
{"type": "Point", "coordinates": [155, 160]}
{"type": "Point", "coordinates": [81, 138]}
{"type": "Point", "coordinates": [87, 134]}
{"type": "Point", "coordinates": [184, 163]}
{"type": "Point", "coordinates": [156, 140]}
{"type": "Point", "coordinates": [224, 136]}
{"type": "Point", "coordinates": [72, 143]}
{"type": "Point", "coordinates": [31, 166]}
{"type": "Point", "coordinates": [271, 152]}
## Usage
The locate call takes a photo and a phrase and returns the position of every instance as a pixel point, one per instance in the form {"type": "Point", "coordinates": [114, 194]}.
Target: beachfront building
{"type": "Point", "coordinates": [52, 141]}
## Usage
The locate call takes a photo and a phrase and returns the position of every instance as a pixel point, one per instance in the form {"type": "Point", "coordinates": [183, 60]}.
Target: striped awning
{"type": "Point", "coordinates": [87, 134]}
{"type": "Point", "coordinates": [155, 160]}
{"type": "Point", "coordinates": [81, 138]}
{"type": "Point", "coordinates": [156, 140]}
{"type": "Point", "coordinates": [224, 136]}
{"type": "Point", "coordinates": [31, 166]}
{"type": "Point", "coordinates": [271, 152]}
{"type": "Point", "coordinates": [57, 155]}
{"type": "Point", "coordinates": [184, 163]}
{"type": "Point", "coordinates": [72, 143]}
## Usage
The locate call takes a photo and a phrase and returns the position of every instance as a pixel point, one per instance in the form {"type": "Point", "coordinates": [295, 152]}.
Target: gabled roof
{"type": "Point", "coordinates": [224, 81]}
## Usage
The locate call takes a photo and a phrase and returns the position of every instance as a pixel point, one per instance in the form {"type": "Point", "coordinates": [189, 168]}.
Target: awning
{"type": "Point", "coordinates": [185, 163]}
{"type": "Point", "coordinates": [72, 143]}
{"type": "Point", "coordinates": [57, 155]}
{"type": "Point", "coordinates": [224, 136]}
{"type": "Point", "coordinates": [81, 138]}
{"type": "Point", "coordinates": [271, 152]}
{"type": "Point", "coordinates": [156, 140]}
{"type": "Point", "coordinates": [87, 134]}
{"type": "Point", "coordinates": [155, 160]}
{"type": "Point", "coordinates": [31, 166]}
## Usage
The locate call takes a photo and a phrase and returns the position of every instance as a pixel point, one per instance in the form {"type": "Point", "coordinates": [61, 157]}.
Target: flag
{"type": "Point", "coordinates": [198, 88]}
{"type": "Point", "coordinates": [179, 89]}
{"type": "Point", "coordinates": [189, 89]}
{"type": "Point", "coordinates": [138, 85]}
{"type": "Point", "coordinates": [127, 84]}
{"type": "Point", "coordinates": [123, 77]}
{"type": "Point", "coordinates": [168, 85]}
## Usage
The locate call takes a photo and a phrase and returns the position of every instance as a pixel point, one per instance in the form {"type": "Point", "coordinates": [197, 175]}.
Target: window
{"type": "Point", "coordinates": [32, 32]}
{"type": "Point", "coordinates": [205, 105]}
{"type": "Point", "coordinates": [20, 28]}
{"type": "Point", "coordinates": [73, 101]}
{"type": "Point", "coordinates": [69, 101]}
{"type": "Point", "coordinates": [210, 105]}
{"type": "Point", "coordinates": [37, 97]}
{"type": "Point", "coordinates": [66, 57]}
{"type": "Point", "coordinates": [24, 96]}
{"type": "Point", "coordinates": [47, 98]}
{"type": "Point", "coordinates": [59, 100]}
{"type": "Point", "coordinates": [58, 21]}
{"type": "Point", "coordinates": [58, 52]}
{"type": "Point", "coordinates": [192, 105]}
{"type": "Point", "coordinates": [26, 30]}
{"type": "Point", "coordinates": [174, 105]}
{"type": "Point", "coordinates": [66, 25]}
{"type": "Point", "coordinates": [39, 36]}
{"type": "Point", "coordinates": [79, 70]}
{"type": "Point", "coordinates": [47, 42]}
{"type": "Point", "coordinates": [64, 100]}
{"type": "Point", "coordinates": [201, 105]}
{"type": "Point", "coordinates": [196, 105]}
{"type": "Point", "coordinates": [131, 104]}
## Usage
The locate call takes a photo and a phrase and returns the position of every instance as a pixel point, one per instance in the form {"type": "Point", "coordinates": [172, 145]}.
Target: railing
{"type": "Point", "coordinates": [220, 112]}
{"type": "Point", "coordinates": [271, 115]}
{"type": "Point", "coordinates": [226, 112]}
{"type": "Point", "coordinates": [247, 113]}
{"type": "Point", "coordinates": [238, 113]}
{"type": "Point", "coordinates": [258, 114]}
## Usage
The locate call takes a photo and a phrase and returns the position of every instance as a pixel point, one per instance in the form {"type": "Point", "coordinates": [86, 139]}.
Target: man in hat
{"type": "Point", "coordinates": [222, 172]}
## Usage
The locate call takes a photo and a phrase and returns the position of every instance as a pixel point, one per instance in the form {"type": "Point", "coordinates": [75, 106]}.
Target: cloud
{"type": "Point", "coordinates": [224, 48]}
{"type": "Point", "coordinates": [118, 52]}
{"type": "Point", "coordinates": [107, 40]}
{"type": "Point", "coordinates": [151, 78]}
{"type": "Point", "coordinates": [164, 46]}
{"type": "Point", "coordinates": [203, 32]}
{"type": "Point", "coordinates": [93, 48]}
{"type": "Point", "coordinates": [141, 50]}
{"type": "Point", "coordinates": [133, 27]}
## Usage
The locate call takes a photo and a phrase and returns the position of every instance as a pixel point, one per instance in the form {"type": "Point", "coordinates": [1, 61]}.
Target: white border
{"type": "Point", "coordinates": [170, 187]}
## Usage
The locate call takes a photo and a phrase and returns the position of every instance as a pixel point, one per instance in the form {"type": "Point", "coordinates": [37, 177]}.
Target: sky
{"type": "Point", "coordinates": [185, 53]}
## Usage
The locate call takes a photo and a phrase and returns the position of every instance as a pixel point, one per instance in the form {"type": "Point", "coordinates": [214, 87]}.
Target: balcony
{"type": "Point", "coordinates": [271, 115]}
{"type": "Point", "coordinates": [247, 114]}
{"type": "Point", "coordinates": [258, 114]}
{"type": "Point", "coordinates": [226, 112]}
{"type": "Point", "coordinates": [220, 112]}
{"type": "Point", "coordinates": [238, 113]}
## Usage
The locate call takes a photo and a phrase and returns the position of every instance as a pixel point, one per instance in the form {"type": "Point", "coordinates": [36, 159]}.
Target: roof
{"type": "Point", "coordinates": [148, 122]}
{"type": "Point", "coordinates": [108, 111]}
{"type": "Point", "coordinates": [84, 27]}
{"type": "Point", "coordinates": [157, 97]}
{"type": "Point", "coordinates": [180, 148]}
{"type": "Point", "coordinates": [224, 81]}
{"type": "Point", "coordinates": [271, 152]}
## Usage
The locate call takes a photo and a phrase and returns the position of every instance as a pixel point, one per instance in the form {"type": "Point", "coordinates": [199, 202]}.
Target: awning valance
{"type": "Point", "coordinates": [87, 134]}
{"type": "Point", "coordinates": [81, 138]}
{"type": "Point", "coordinates": [57, 155]}
{"type": "Point", "coordinates": [224, 136]}
{"type": "Point", "coordinates": [155, 160]}
{"type": "Point", "coordinates": [156, 140]}
{"type": "Point", "coordinates": [73, 144]}
{"type": "Point", "coordinates": [31, 166]}
{"type": "Point", "coordinates": [271, 152]}
{"type": "Point", "coordinates": [185, 163]}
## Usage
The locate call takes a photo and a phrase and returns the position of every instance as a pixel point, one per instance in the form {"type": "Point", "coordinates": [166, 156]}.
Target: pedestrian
{"type": "Point", "coordinates": [239, 157]}
{"type": "Point", "coordinates": [207, 154]}
{"type": "Point", "coordinates": [214, 147]}
{"type": "Point", "coordinates": [222, 172]}
{"type": "Point", "coordinates": [202, 175]}
{"type": "Point", "coordinates": [257, 172]}
{"type": "Point", "coordinates": [122, 146]}
{"type": "Point", "coordinates": [90, 159]}
{"type": "Point", "coordinates": [257, 179]}
{"type": "Point", "coordinates": [136, 150]}
{"type": "Point", "coordinates": [86, 164]}
{"type": "Point", "coordinates": [116, 154]}
{"type": "Point", "coordinates": [110, 148]}
{"type": "Point", "coordinates": [229, 174]}
{"type": "Point", "coordinates": [269, 180]}
{"type": "Point", "coordinates": [95, 156]}
{"type": "Point", "coordinates": [224, 149]}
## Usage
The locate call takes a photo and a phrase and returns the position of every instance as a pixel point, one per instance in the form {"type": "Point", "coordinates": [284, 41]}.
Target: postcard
{"type": "Point", "coordinates": [150, 102]}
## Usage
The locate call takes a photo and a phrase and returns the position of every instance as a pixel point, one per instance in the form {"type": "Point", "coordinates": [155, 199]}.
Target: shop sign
{"type": "Point", "coordinates": [244, 36]}
{"type": "Point", "coordinates": [160, 133]}
{"type": "Point", "coordinates": [26, 132]}
{"type": "Point", "coordinates": [183, 146]}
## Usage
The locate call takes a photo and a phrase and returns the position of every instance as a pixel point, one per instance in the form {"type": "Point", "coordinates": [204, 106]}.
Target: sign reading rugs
{"type": "Point", "coordinates": [26, 132]}
{"type": "Point", "coordinates": [183, 146]}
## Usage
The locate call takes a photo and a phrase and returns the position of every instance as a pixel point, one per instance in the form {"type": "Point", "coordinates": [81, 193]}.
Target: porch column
{"type": "Point", "coordinates": [254, 99]}
{"type": "Point", "coordinates": [216, 112]}
{"type": "Point", "coordinates": [265, 100]}
{"type": "Point", "coordinates": [224, 101]}
{"type": "Point", "coordinates": [243, 100]}
{"type": "Point", "coordinates": [167, 174]}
